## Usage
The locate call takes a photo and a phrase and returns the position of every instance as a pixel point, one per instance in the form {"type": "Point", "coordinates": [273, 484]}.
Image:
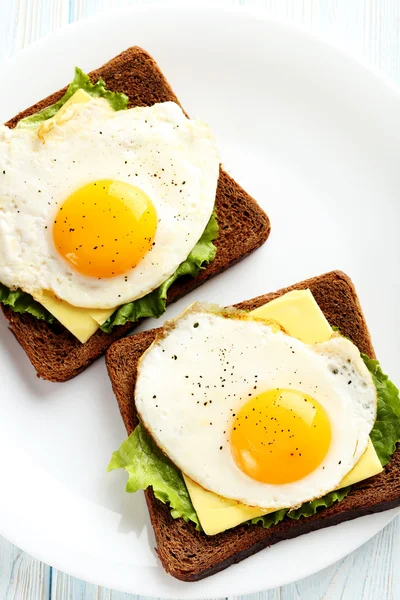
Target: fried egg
{"type": "Point", "coordinates": [252, 414]}
{"type": "Point", "coordinates": [102, 207]}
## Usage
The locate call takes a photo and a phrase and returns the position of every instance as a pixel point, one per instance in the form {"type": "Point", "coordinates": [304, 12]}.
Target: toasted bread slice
{"type": "Point", "coordinates": [243, 226]}
{"type": "Point", "coordinates": [191, 555]}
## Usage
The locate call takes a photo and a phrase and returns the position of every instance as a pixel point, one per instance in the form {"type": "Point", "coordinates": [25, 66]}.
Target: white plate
{"type": "Point", "coordinates": [314, 136]}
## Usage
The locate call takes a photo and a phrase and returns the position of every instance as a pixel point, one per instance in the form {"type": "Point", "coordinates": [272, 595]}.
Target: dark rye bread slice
{"type": "Point", "coordinates": [243, 226]}
{"type": "Point", "coordinates": [191, 555]}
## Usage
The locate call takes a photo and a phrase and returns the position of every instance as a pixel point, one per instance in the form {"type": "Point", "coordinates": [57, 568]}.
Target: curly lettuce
{"type": "Point", "coordinates": [117, 100]}
{"type": "Point", "coordinates": [154, 304]}
{"type": "Point", "coordinates": [386, 431]}
{"type": "Point", "coordinates": [147, 467]}
{"type": "Point", "coordinates": [20, 302]}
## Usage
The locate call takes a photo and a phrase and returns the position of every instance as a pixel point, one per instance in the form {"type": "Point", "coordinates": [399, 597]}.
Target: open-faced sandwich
{"type": "Point", "coordinates": [256, 424]}
{"type": "Point", "coordinates": [113, 203]}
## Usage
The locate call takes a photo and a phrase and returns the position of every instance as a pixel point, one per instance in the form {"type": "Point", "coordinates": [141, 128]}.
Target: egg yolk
{"type": "Point", "coordinates": [105, 228]}
{"type": "Point", "coordinates": [280, 436]}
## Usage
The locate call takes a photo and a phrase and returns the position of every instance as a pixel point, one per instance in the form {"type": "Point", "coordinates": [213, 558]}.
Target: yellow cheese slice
{"type": "Point", "coordinates": [79, 97]}
{"type": "Point", "coordinates": [368, 466]}
{"type": "Point", "coordinates": [299, 314]}
{"type": "Point", "coordinates": [63, 114]}
{"type": "Point", "coordinates": [100, 315]}
{"type": "Point", "coordinates": [81, 322]}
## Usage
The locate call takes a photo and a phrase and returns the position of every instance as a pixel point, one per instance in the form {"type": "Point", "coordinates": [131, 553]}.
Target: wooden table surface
{"type": "Point", "coordinates": [366, 28]}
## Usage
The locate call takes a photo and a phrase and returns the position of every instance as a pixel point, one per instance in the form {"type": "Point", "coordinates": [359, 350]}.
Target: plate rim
{"type": "Point", "coordinates": [315, 37]}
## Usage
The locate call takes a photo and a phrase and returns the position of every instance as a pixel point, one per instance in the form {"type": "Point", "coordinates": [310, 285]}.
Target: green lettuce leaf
{"type": "Point", "coordinates": [386, 431]}
{"type": "Point", "coordinates": [145, 472]}
{"type": "Point", "coordinates": [267, 521]}
{"type": "Point", "coordinates": [306, 510]}
{"type": "Point", "coordinates": [310, 508]}
{"type": "Point", "coordinates": [117, 100]}
{"type": "Point", "coordinates": [20, 302]}
{"type": "Point", "coordinates": [148, 466]}
{"type": "Point", "coordinates": [154, 304]}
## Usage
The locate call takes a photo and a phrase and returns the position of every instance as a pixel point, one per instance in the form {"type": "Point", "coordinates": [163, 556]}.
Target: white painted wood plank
{"type": "Point", "coordinates": [36, 18]}
{"type": "Point", "coordinates": [8, 26]}
{"type": "Point", "coordinates": [367, 28]}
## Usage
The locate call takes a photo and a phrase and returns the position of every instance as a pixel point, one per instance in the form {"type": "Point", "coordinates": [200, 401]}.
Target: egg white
{"type": "Point", "coordinates": [205, 356]}
{"type": "Point", "coordinates": [99, 143]}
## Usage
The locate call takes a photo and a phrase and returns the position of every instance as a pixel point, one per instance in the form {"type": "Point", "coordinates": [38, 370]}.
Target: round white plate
{"type": "Point", "coordinates": [314, 136]}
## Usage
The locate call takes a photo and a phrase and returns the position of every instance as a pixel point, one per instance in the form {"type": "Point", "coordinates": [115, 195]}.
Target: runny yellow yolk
{"type": "Point", "coordinates": [105, 228]}
{"type": "Point", "coordinates": [280, 436]}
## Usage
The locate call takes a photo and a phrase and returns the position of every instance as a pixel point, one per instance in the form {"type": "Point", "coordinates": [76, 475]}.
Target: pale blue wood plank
{"type": "Point", "coordinates": [369, 573]}
{"type": "Point", "coordinates": [21, 576]}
